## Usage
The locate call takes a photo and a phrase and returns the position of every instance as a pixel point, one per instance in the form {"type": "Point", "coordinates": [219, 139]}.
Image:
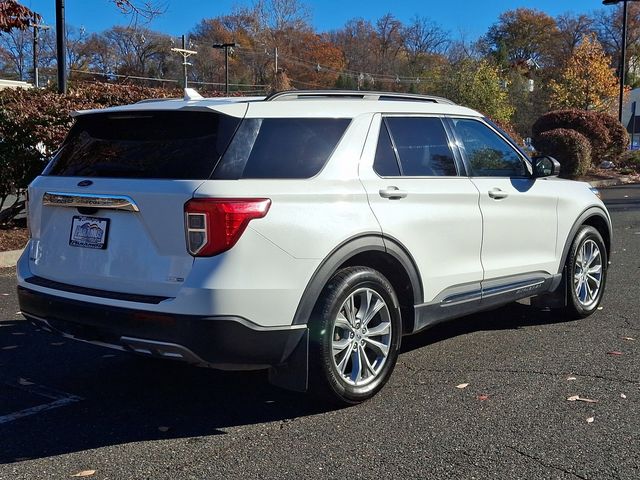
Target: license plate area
{"type": "Point", "coordinates": [89, 232]}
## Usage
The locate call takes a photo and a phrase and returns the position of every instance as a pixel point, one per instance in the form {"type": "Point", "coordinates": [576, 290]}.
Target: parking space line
{"type": "Point", "coordinates": [58, 399]}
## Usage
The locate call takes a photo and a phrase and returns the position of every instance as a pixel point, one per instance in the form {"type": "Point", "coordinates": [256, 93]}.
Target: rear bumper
{"type": "Point", "coordinates": [224, 342]}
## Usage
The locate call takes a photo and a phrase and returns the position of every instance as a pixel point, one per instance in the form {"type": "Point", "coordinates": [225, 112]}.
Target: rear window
{"type": "Point", "coordinates": [176, 145]}
{"type": "Point", "coordinates": [281, 148]}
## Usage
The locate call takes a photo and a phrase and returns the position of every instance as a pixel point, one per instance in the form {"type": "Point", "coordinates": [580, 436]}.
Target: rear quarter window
{"type": "Point", "coordinates": [281, 148]}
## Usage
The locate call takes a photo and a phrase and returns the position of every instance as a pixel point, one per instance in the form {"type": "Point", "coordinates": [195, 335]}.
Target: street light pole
{"type": "Point", "coordinates": [226, 47]}
{"type": "Point", "coordinates": [623, 54]}
{"type": "Point", "coordinates": [623, 57]}
{"type": "Point", "coordinates": [61, 47]}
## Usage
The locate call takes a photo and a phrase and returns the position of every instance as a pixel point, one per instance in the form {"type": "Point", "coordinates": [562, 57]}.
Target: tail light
{"type": "Point", "coordinates": [214, 225]}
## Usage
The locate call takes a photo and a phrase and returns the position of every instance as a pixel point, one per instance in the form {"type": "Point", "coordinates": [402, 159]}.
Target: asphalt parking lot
{"type": "Point", "coordinates": [67, 407]}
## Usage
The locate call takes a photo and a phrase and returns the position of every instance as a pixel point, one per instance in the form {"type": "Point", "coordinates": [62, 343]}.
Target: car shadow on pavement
{"type": "Point", "coordinates": [512, 316]}
{"type": "Point", "coordinates": [118, 398]}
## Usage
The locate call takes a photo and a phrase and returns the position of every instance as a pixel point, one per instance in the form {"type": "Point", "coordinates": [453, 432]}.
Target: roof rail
{"type": "Point", "coordinates": [153, 100]}
{"type": "Point", "coordinates": [356, 95]}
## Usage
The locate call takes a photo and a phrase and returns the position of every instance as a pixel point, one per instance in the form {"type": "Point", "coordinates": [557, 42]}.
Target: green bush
{"type": "Point", "coordinates": [618, 136]}
{"type": "Point", "coordinates": [569, 147]}
{"type": "Point", "coordinates": [587, 123]}
{"type": "Point", "coordinates": [33, 124]}
{"type": "Point", "coordinates": [630, 160]}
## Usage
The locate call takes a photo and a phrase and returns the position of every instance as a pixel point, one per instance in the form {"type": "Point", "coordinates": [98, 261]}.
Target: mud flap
{"type": "Point", "coordinates": [293, 374]}
{"type": "Point", "coordinates": [557, 298]}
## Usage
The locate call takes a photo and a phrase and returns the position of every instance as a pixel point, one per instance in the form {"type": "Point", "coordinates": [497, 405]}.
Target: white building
{"type": "Point", "coordinates": [14, 84]}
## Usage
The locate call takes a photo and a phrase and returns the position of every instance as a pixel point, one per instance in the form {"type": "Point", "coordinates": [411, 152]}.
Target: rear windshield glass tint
{"type": "Point", "coordinates": [177, 145]}
{"type": "Point", "coordinates": [281, 148]}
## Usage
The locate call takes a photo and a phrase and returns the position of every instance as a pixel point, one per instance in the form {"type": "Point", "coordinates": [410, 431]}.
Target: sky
{"type": "Point", "coordinates": [468, 19]}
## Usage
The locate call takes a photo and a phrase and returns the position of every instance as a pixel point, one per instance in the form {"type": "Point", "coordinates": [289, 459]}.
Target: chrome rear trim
{"type": "Point", "coordinates": [90, 200]}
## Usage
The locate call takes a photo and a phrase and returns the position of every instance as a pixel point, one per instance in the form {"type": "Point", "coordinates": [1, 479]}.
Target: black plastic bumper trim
{"type": "Point", "coordinates": [65, 287]}
{"type": "Point", "coordinates": [217, 340]}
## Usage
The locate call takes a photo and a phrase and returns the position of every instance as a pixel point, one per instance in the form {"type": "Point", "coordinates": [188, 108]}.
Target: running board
{"type": "Point", "coordinates": [494, 293]}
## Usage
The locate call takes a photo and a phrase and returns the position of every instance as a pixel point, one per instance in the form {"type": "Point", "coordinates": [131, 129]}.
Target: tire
{"type": "Point", "coordinates": [337, 323]}
{"type": "Point", "coordinates": [584, 292]}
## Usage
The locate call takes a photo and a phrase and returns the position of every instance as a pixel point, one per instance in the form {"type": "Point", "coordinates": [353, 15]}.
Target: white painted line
{"type": "Point", "coordinates": [37, 409]}
{"type": "Point", "coordinates": [59, 399]}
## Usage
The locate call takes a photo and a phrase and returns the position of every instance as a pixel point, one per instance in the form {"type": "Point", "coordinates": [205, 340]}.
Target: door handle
{"type": "Point", "coordinates": [392, 193]}
{"type": "Point", "coordinates": [497, 194]}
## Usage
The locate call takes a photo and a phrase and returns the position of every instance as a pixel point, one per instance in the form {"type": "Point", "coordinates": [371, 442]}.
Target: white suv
{"type": "Point", "coordinates": [304, 233]}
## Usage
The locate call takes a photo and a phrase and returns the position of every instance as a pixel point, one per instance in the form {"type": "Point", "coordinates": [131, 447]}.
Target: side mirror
{"type": "Point", "coordinates": [545, 167]}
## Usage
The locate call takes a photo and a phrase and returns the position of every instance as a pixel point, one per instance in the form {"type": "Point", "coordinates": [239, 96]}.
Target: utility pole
{"type": "Point", "coordinates": [61, 47]}
{"type": "Point", "coordinates": [276, 58]}
{"type": "Point", "coordinates": [36, 27]}
{"type": "Point", "coordinates": [185, 54]}
{"type": "Point", "coordinates": [226, 47]}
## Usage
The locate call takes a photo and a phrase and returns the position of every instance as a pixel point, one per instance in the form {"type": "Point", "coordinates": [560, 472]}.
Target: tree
{"type": "Point", "coordinates": [356, 39]}
{"type": "Point", "coordinates": [572, 28]}
{"type": "Point", "coordinates": [520, 35]}
{"type": "Point", "coordinates": [389, 44]}
{"type": "Point", "coordinates": [608, 27]}
{"type": "Point", "coordinates": [15, 53]}
{"type": "Point", "coordinates": [13, 15]}
{"type": "Point", "coordinates": [587, 82]}
{"type": "Point", "coordinates": [423, 40]}
{"type": "Point", "coordinates": [476, 84]}
{"type": "Point", "coordinates": [139, 51]}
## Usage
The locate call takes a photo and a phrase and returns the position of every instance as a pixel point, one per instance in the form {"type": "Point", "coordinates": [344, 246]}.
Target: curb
{"type": "Point", "coordinates": [9, 259]}
{"type": "Point", "coordinates": [610, 182]}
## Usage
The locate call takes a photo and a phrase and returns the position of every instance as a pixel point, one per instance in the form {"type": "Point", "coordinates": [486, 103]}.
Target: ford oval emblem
{"type": "Point", "coordinates": [85, 183]}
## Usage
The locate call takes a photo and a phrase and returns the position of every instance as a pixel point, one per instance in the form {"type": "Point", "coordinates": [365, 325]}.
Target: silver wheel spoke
{"type": "Point", "coordinates": [594, 279]}
{"type": "Point", "coordinates": [589, 295]}
{"type": "Point", "coordinates": [372, 311]}
{"type": "Point", "coordinates": [596, 269]}
{"type": "Point", "coordinates": [594, 255]}
{"type": "Point", "coordinates": [350, 310]}
{"type": "Point", "coordinates": [356, 369]}
{"type": "Point", "coordinates": [342, 322]}
{"type": "Point", "coordinates": [378, 346]}
{"type": "Point", "coordinates": [343, 363]}
{"type": "Point", "coordinates": [340, 346]}
{"type": "Point", "coordinates": [378, 330]}
{"type": "Point", "coordinates": [369, 369]}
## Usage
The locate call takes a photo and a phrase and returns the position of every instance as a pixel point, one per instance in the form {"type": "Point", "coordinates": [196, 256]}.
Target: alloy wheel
{"type": "Point", "coordinates": [361, 337]}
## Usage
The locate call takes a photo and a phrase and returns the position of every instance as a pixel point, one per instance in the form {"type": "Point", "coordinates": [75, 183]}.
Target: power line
{"type": "Point", "coordinates": [101, 74]}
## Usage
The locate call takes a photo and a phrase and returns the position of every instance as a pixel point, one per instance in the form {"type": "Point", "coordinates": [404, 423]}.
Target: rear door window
{"type": "Point", "coordinates": [423, 146]}
{"type": "Point", "coordinates": [281, 148]}
{"type": "Point", "coordinates": [165, 144]}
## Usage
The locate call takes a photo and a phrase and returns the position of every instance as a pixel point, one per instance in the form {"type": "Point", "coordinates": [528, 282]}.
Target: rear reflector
{"type": "Point", "coordinates": [214, 225]}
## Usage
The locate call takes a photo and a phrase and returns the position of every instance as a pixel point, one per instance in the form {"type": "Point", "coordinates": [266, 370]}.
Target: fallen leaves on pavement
{"type": "Point", "coordinates": [462, 385]}
{"type": "Point", "coordinates": [614, 353]}
{"type": "Point", "coordinates": [629, 339]}
{"type": "Point", "coordinates": [578, 398]}
{"type": "Point", "coordinates": [622, 395]}
{"type": "Point", "coordinates": [483, 397]}
{"type": "Point", "coordinates": [24, 382]}
{"type": "Point", "coordinates": [84, 473]}
{"type": "Point", "coordinates": [590, 419]}
{"type": "Point", "coordinates": [571, 379]}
